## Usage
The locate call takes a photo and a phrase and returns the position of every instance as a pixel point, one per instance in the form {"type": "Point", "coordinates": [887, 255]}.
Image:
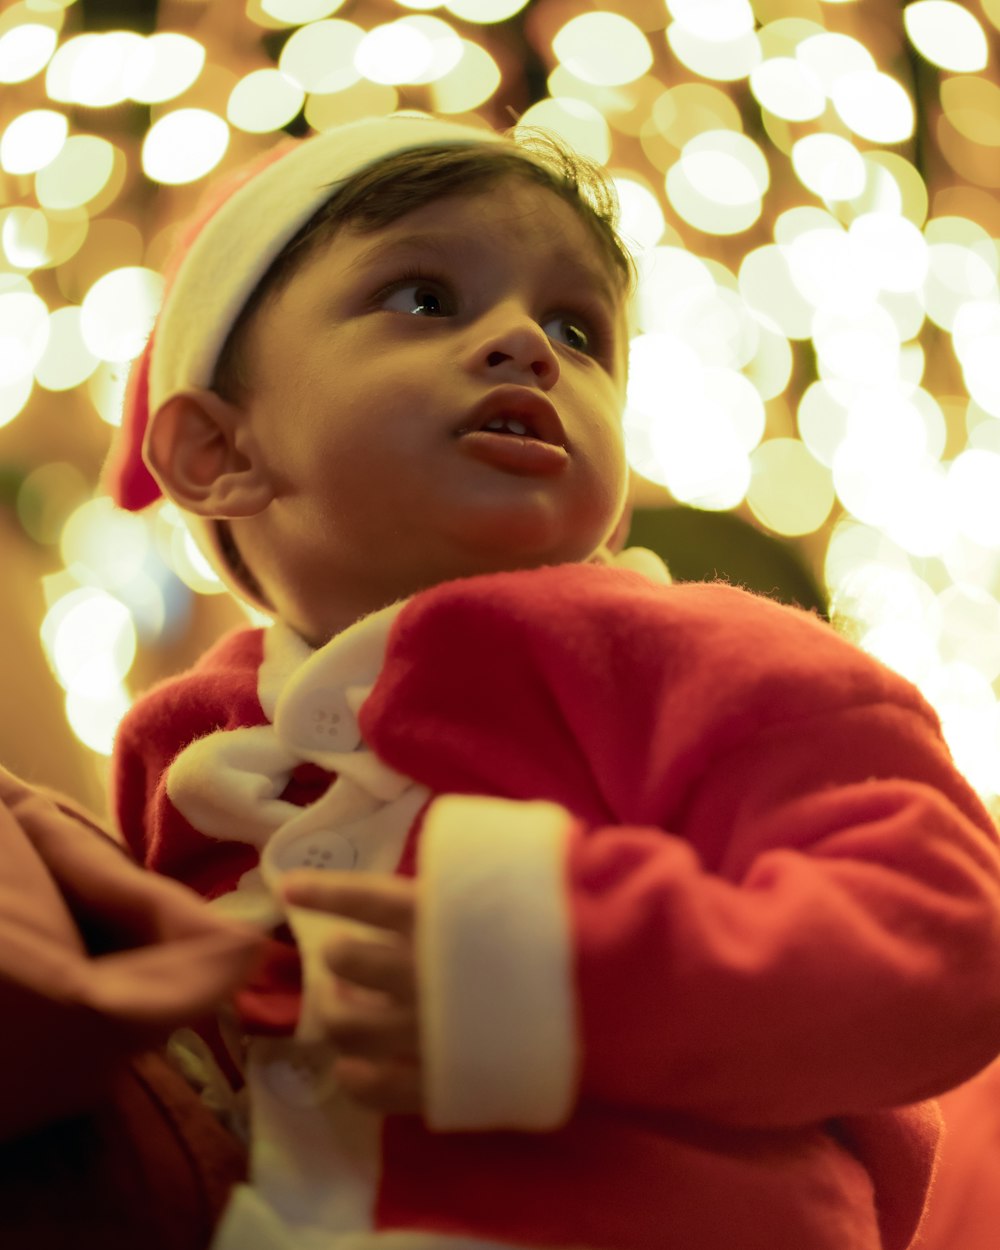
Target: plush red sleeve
{"type": "Point", "coordinates": [220, 692]}
{"type": "Point", "coordinates": [782, 902]}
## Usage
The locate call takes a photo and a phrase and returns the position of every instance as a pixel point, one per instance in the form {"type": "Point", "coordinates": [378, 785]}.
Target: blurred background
{"type": "Point", "coordinates": [810, 187]}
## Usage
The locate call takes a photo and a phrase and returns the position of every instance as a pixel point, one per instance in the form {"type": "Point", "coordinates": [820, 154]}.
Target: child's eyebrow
{"type": "Point", "coordinates": [443, 247]}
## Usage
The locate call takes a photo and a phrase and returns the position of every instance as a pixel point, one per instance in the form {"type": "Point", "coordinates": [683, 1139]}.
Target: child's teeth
{"type": "Point", "coordinates": [501, 423]}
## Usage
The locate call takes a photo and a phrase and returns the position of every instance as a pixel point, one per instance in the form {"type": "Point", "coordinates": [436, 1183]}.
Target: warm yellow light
{"type": "Point", "coordinates": [446, 48]}
{"type": "Point", "coordinates": [320, 57]}
{"type": "Point", "coordinates": [24, 332]}
{"type": "Point", "coordinates": [66, 361]}
{"type": "Point", "coordinates": [265, 100]}
{"type": "Point", "coordinates": [363, 99]}
{"type": "Point", "coordinates": [830, 56]}
{"type": "Point", "coordinates": [790, 492]}
{"type": "Point", "coordinates": [485, 12]}
{"type": "Point", "coordinates": [395, 52]}
{"type": "Point", "coordinates": [603, 48]}
{"type": "Point", "coordinates": [788, 88]}
{"type": "Point", "coordinates": [829, 166]}
{"type": "Point", "coordinates": [891, 249]}
{"type": "Point", "coordinates": [947, 34]}
{"type": "Point", "coordinates": [118, 311]}
{"type": "Point", "coordinates": [94, 69]}
{"type": "Point", "coordinates": [184, 146]}
{"type": "Point", "coordinates": [641, 222]}
{"type": "Point", "coordinates": [717, 21]}
{"type": "Point", "coordinates": [874, 105]}
{"type": "Point", "coordinates": [90, 641]}
{"type": "Point", "coordinates": [579, 123]}
{"type": "Point", "coordinates": [726, 60]}
{"type": "Point", "coordinates": [297, 12]}
{"type": "Point", "coordinates": [78, 175]}
{"type": "Point", "coordinates": [32, 141]}
{"type": "Point", "coordinates": [972, 105]}
{"type": "Point", "coordinates": [166, 65]}
{"type": "Point", "coordinates": [25, 50]}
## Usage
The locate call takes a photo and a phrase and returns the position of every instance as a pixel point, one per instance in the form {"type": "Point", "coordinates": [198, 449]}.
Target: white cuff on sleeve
{"type": "Point", "coordinates": [495, 964]}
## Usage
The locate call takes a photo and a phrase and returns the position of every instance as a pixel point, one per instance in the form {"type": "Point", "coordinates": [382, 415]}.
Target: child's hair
{"type": "Point", "coordinates": [386, 191]}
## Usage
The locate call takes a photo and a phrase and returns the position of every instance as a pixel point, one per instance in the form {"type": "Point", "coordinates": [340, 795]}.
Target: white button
{"type": "Point", "coordinates": [319, 848]}
{"type": "Point", "coordinates": [299, 1081]}
{"type": "Point", "coordinates": [321, 720]}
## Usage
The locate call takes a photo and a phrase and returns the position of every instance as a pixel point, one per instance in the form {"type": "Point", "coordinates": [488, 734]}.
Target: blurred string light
{"type": "Point", "coordinates": [816, 228]}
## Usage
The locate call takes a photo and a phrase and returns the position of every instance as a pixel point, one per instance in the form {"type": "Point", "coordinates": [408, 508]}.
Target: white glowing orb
{"type": "Point", "coordinates": [715, 20]}
{"type": "Point", "coordinates": [94, 70]}
{"type": "Point", "coordinates": [164, 67]}
{"type": "Point", "coordinates": [25, 50]}
{"type": "Point", "coordinates": [767, 286]}
{"type": "Point", "coordinates": [892, 248]}
{"type": "Point", "coordinates": [726, 167]}
{"type": "Point", "coordinates": [822, 418]}
{"type": "Point", "coordinates": [828, 273]}
{"type": "Point", "coordinates": [603, 48]}
{"type": "Point", "coordinates": [395, 52]}
{"type": "Point", "coordinates": [970, 628]}
{"type": "Point", "coordinates": [90, 641]}
{"type": "Point", "coordinates": [859, 345]}
{"type": "Point", "coordinates": [447, 48]}
{"type": "Point", "coordinates": [974, 486]}
{"type": "Point", "coordinates": [874, 105]}
{"type": "Point", "coordinates": [957, 275]}
{"type": "Point", "coordinates": [32, 141]}
{"type": "Point", "coordinates": [725, 60]}
{"type": "Point", "coordinates": [264, 100]}
{"type": "Point", "coordinates": [24, 333]}
{"type": "Point", "coordinates": [947, 34]}
{"type": "Point", "coordinates": [297, 12]}
{"type": "Point", "coordinates": [95, 720]}
{"type": "Point", "coordinates": [118, 312]}
{"type": "Point", "coordinates": [829, 166]}
{"type": "Point", "coordinates": [579, 123]}
{"type": "Point", "coordinates": [642, 223]}
{"type": "Point", "coordinates": [830, 56]}
{"type": "Point", "coordinates": [790, 491]}
{"type": "Point", "coordinates": [66, 361]}
{"type": "Point", "coordinates": [484, 12]}
{"type": "Point", "coordinates": [788, 88]}
{"type": "Point", "coordinates": [321, 57]}
{"type": "Point", "coordinates": [184, 146]}
{"type": "Point", "coordinates": [13, 398]}
{"type": "Point", "coordinates": [469, 84]}
{"type": "Point", "coordinates": [78, 174]}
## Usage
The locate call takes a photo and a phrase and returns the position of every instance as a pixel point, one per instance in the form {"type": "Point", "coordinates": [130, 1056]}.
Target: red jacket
{"type": "Point", "coordinates": [715, 878]}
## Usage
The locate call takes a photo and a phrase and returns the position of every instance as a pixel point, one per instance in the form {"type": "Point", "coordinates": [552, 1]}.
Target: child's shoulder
{"type": "Point", "coordinates": [220, 688]}
{"type": "Point", "coordinates": [717, 641]}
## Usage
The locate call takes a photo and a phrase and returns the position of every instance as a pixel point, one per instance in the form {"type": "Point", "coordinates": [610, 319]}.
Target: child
{"type": "Point", "coordinates": [648, 913]}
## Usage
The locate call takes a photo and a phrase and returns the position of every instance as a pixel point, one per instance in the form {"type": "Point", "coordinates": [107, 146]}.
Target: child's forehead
{"type": "Point", "coordinates": [513, 216]}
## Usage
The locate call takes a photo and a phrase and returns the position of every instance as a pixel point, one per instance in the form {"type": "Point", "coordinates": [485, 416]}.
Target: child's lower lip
{"type": "Point", "coordinates": [515, 453]}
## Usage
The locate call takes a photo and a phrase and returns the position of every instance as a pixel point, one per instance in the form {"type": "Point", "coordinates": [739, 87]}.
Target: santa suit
{"type": "Point", "coordinates": [705, 912]}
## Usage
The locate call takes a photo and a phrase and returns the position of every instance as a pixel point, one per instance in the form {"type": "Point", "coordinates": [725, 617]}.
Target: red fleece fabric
{"type": "Point", "coordinates": [785, 904]}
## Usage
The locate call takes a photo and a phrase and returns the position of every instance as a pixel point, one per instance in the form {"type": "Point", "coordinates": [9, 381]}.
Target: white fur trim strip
{"type": "Point", "coordinates": [495, 962]}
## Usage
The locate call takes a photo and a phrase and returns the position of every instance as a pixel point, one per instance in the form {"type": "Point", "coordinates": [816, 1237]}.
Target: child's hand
{"type": "Point", "coordinates": [372, 1020]}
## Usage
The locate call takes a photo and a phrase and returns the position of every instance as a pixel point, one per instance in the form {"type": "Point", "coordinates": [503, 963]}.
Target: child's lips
{"type": "Point", "coordinates": [516, 429]}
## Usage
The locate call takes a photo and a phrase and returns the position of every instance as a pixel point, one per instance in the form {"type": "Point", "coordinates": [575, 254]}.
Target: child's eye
{"type": "Point", "coordinates": [422, 299]}
{"type": "Point", "coordinates": [573, 332]}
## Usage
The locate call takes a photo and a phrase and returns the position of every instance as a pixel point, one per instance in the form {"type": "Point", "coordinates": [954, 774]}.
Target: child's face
{"type": "Point", "coordinates": [437, 398]}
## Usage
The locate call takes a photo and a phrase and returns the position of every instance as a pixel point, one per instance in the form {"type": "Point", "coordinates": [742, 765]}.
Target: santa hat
{"type": "Point", "coordinates": [225, 252]}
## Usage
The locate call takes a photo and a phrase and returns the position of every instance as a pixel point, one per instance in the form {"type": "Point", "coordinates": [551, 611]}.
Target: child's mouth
{"type": "Point", "coordinates": [516, 429]}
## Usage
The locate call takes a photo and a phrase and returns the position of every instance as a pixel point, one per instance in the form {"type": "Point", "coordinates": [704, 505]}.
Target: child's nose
{"type": "Point", "coordinates": [519, 350]}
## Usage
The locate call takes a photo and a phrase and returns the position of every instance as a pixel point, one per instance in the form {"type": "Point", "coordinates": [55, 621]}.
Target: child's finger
{"type": "Point", "coordinates": [371, 1032]}
{"type": "Point", "coordinates": [375, 966]}
{"type": "Point", "coordinates": [378, 899]}
{"type": "Point", "coordinates": [392, 1088]}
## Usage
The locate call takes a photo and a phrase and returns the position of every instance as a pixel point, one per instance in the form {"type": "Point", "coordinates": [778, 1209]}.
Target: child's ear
{"type": "Point", "coordinates": [200, 448]}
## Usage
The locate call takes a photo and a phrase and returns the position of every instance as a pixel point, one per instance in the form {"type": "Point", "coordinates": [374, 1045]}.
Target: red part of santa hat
{"type": "Point", "coordinates": [223, 253]}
